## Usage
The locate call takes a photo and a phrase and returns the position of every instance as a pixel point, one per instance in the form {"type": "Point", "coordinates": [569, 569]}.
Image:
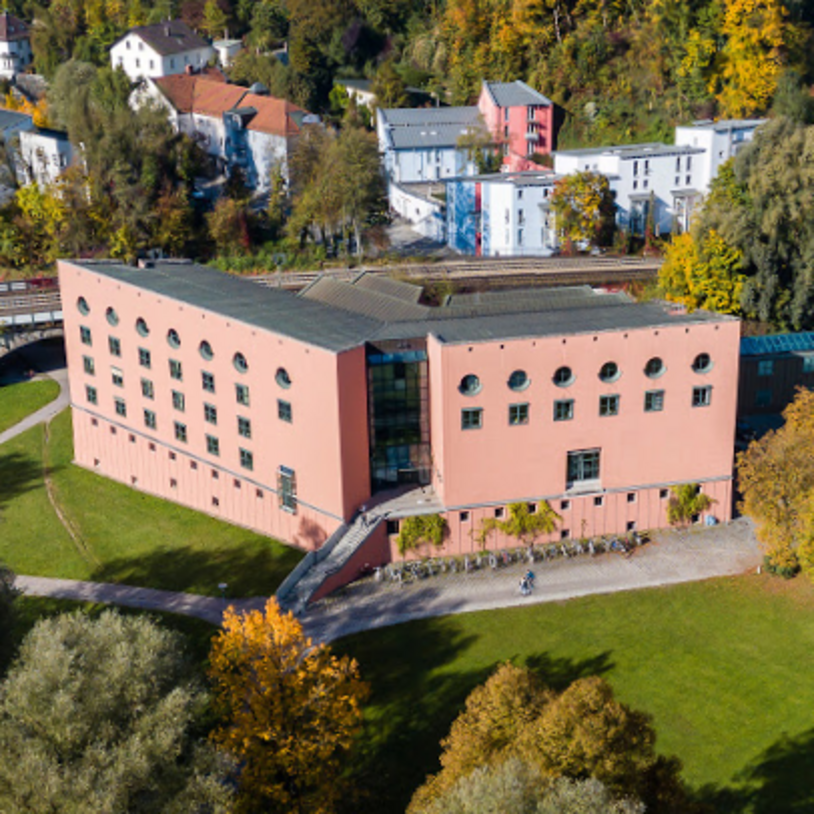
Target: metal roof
{"type": "Point", "coordinates": [429, 116]}
{"type": "Point", "coordinates": [726, 124]}
{"type": "Point", "coordinates": [446, 135]}
{"type": "Point", "coordinates": [644, 150]}
{"type": "Point", "coordinates": [338, 316]}
{"type": "Point", "coordinates": [409, 292]}
{"type": "Point", "coordinates": [514, 94]}
{"type": "Point", "coordinates": [11, 118]}
{"type": "Point", "coordinates": [781, 343]}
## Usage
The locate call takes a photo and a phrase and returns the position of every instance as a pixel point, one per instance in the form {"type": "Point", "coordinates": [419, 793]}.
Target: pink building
{"type": "Point", "coordinates": [287, 413]}
{"type": "Point", "coordinates": [520, 120]}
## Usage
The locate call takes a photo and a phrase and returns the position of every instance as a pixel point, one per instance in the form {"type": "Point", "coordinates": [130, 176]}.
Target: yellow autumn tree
{"type": "Point", "coordinates": [583, 206]}
{"type": "Point", "coordinates": [776, 479]}
{"type": "Point", "coordinates": [753, 55]}
{"type": "Point", "coordinates": [290, 711]}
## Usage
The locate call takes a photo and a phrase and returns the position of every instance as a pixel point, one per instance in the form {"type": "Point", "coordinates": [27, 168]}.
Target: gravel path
{"type": "Point", "coordinates": [672, 557]}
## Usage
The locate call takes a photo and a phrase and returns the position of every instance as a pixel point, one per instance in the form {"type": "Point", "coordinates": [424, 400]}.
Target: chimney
{"type": "Point", "coordinates": [167, 30]}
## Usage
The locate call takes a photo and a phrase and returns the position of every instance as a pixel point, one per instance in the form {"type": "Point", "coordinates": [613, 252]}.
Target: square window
{"type": "Point", "coordinates": [117, 377]}
{"type": "Point", "coordinates": [464, 517]}
{"type": "Point", "coordinates": [583, 465]}
{"type": "Point", "coordinates": [284, 410]}
{"type": "Point", "coordinates": [246, 459]}
{"type": "Point", "coordinates": [112, 430]}
{"type": "Point", "coordinates": [133, 480]}
{"type": "Point", "coordinates": [149, 419]}
{"type": "Point", "coordinates": [663, 494]}
{"type": "Point", "coordinates": [215, 502]}
{"type": "Point", "coordinates": [208, 382]}
{"type": "Point", "coordinates": [631, 525]}
{"type": "Point", "coordinates": [532, 507]}
{"type": "Point", "coordinates": [565, 534]}
{"type": "Point", "coordinates": [608, 405]}
{"type": "Point", "coordinates": [94, 422]}
{"type": "Point", "coordinates": [173, 483]}
{"type": "Point", "coordinates": [172, 455]}
{"type": "Point", "coordinates": [564, 410]}
{"type": "Point", "coordinates": [132, 438]}
{"type": "Point", "coordinates": [115, 346]}
{"type": "Point", "coordinates": [392, 527]}
{"type": "Point", "coordinates": [518, 414]}
{"type": "Point", "coordinates": [144, 358]}
{"type": "Point", "coordinates": [565, 505]}
{"type": "Point", "coordinates": [176, 371]}
{"type": "Point", "coordinates": [210, 413]}
{"type": "Point", "coordinates": [91, 394]}
{"type": "Point", "coordinates": [236, 483]}
{"type": "Point", "coordinates": [87, 364]}
{"type": "Point", "coordinates": [147, 389]}
{"type": "Point", "coordinates": [765, 367]}
{"type": "Point", "coordinates": [499, 512]}
{"type": "Point", "coordinates": [180, 433]}
{"type": "Point", "coordinates": [471, 418]}
{"type": "Point", "coordinates": [151, 446]}
{"type": "Point", "coordinates": [215, 474]}
{"type": "Point", "coordinates": [631, 497]}
{"type": "Point", "coordinates": [193, 464]}
{"type": "Point", "coordinates": [121, 407]}
{"type": "Point", "coordinates": [84, 335]}
{"type": "Point", "coordinates": [258, 493]}
{"type": "Point", "coordinates": [702, 396]}
{"type": "Point", "coordinates": [695, 518]}
{"type": "Point", "coordinates": [599, 500]}
{"type": "Point", "coordinates": [242, 394]}
{"type": "Point", "coordinates": [212, 445]}
{"type": "Point", "coordinates": [654, 401]}
{"type": "Point", "coordinates": [178, 400]}
{"type": "Point", "coordinates": [244, 427]}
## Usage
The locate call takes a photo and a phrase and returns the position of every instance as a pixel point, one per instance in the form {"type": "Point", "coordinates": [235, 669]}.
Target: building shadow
{"type": "Point", "coordinates": [18, 474]}
{"type": "Point", "coordinates": [251, 570]}
{"type": "Point", "coordinates": [778, 782]}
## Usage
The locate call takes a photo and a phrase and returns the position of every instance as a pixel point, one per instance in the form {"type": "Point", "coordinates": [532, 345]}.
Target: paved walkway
{"type": "Point", "coordinates": [673, 557]}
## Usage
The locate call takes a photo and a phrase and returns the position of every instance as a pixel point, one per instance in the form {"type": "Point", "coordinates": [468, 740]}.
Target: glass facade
{"type": "Point", "coordinates": [398, 406]}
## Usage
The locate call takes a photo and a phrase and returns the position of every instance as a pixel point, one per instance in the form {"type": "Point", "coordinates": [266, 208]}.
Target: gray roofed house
{"type": "Point", "coordinates": [171, 37]}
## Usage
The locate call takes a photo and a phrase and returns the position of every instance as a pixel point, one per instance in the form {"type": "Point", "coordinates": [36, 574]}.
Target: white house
{"type": "Point", "coordinates": [668, 177]}
{"type": "Point", "coordinates": [162, 49]}
{"type": "Point", "coordinates": [44, 155]}
{"type": "Point", "coordinates": [15, 45]}
{"type": "Point", "coordinates": [720, 141]}
{"type": "Point", "coordinates": [227, 50]}
{"type": "Point", "coordinates": [502, 214]}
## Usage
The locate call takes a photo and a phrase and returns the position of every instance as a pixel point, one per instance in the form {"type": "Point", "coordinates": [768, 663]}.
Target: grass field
{"type": "Point", "coordinates": [19, 400]}
{"type": "Point", "coordinates": [122, 535]}
{"type": "Point", "coordinates": [722, 666]}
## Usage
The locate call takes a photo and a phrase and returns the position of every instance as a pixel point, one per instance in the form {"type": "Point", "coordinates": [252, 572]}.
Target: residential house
{"type": "Point", "coordinates": [15, 45]}
{"type": "Point", "coordinates": [43, 156]}
{"type": "Point", "coordinates": [161, 49]}
{"type": "Point", "coordinates": [502, 215]}
{"type": "Point", "coordinates": [227, 50]}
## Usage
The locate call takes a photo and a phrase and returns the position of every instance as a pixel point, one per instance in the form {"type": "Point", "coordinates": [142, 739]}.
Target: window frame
{"type": "Point", "coordinates": [212, 445]}
{"type": "Point", "coordinates": [519, 414]}
{"type": "Point", "coordinates": [120, 406]}
{"type": "Point", "coordinates": [114, 345]}
{"type": "Point", "coordinates": [244, 427]}
{"type": "Point", "coordinates": [471, 418]}
{"type": "Point", "coordinates": [208, 381]}
{"type": "Point", "coordinates": [176, 370]}
{"type": "Point", "coordinates": [88, 365]}
{"type": "Point", "coordinates": [702, 395]}
{"type": "Point", "coordinates": [145, 358]}
{"type": "Point", "coordinates": [654, 401]}
{"type": "Point", "coordinates": [85, 336]}
{"type": "Point", "coordinates": [577, 466]}
{"type": "Point", "coordinates": [242, 390]}
{"type": "Point", "coordinates": [150, 420]}
{"type": "Point", "coordinates": [180, 431]}
{"type": "Point", "coordinates": [179, 402]}
{"type": "Point", "coordinates": [91, 394]}
{"type": "Point", "coordinates": [609, 405]}
{"type": "Point", "coordinates": [285, 411]}
{"type": "Point", "coordinates": [246, 458]}
{"type": "Point", "coordinates": [568, 404]}
{"type": "Point", "coordinates": [210, 413]}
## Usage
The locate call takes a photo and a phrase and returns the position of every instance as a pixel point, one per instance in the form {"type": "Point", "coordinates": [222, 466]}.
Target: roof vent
{"type": "Point", "coordinates": [167, 31]}
{"type": "Point", "coordinates": [259, 89]}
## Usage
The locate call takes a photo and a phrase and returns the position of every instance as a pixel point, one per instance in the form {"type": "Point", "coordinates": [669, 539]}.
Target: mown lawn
{"type": "Point", "coordinates": [122, 535]}
{"type": "Point", "coordinates": [19, 400]}
{"type": "Point", "coordinates": [723, 666]}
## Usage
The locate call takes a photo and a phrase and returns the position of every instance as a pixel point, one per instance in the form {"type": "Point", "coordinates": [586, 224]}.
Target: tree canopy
{"type": "Point", "coordinates": [100, 715]}
{"type": "Point", "coordinates": [584, 209]}
{"type": "Point", "coordinates": [290, 711]}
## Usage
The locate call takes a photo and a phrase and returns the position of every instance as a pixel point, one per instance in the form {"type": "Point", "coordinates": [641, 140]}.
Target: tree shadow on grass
{"type": "Point", "coordinates": [18, 474]}
{"type": "Point", "coordinates": [777, 782]}
{"type": "Point", "coordinates": [415, 699]}
{"type": "Point", "coordinates": [255, 569]}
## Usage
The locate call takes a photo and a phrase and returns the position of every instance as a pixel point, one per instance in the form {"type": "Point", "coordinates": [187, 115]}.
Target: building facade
{"type": "Point", "coordinates": [43, 156]}
{"type": "Point", "coordinates": [162, 49]}
{"type": "Point", "coordinates": [288, 413]}
{"type": "Point", "coordinates": [15, 46]}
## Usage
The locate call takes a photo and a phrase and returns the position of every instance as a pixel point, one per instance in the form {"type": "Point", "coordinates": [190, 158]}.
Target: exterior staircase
{"type": "Point", "coordinates": [303, 582]}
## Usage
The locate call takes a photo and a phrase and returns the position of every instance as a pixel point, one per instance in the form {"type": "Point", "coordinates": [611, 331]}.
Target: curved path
{"type": "Point", "coordinates": [674, 557]}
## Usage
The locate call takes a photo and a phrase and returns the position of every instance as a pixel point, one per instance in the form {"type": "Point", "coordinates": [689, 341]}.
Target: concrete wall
{"type": "Point", "coordinates": [426, 216]}
{"type": "Point", "coordinates": [328, 486]}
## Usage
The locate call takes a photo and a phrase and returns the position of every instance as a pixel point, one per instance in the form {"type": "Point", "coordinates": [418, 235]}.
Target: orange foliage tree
{"type": "Point", "coordinates": [290, 711]}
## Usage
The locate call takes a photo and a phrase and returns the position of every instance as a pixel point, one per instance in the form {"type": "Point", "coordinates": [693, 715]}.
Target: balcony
{"type": "Point", "coordinates": [532, 135]}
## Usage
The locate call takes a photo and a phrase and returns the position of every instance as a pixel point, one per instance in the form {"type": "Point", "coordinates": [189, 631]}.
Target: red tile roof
{"type": "Point", "coordinates": [273, 115]}
{"type": "Point", "coordinates": [11, 28]}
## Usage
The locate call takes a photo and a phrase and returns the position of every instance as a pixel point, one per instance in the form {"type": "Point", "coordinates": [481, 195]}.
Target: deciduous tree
{"type": "Point", "coordinates": [98, 715]}
{"type": "Point", "coordinates": [290, 711]}
{"type": "Point", "coordinates": [522, 523]}
{"type": "Point", "coordinates": [584, 209]}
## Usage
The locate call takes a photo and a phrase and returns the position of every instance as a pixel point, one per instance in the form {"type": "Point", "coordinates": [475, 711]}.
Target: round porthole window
{"type": "Point", "coordinates": [654, 368]}
{"type": "Point", "coordinates": [282, 378]}
{"type": "Point", "coordinates": [609, 372]}
{"type": "Point", "coordinates": [240, 363]}
{"type": "Point", "coordinates": [173, 339]}
{"type": "Point", "coordinates": [141, 327]}
{"type": "Point", "coordinates": [563, 376]}
{"type": "Point", "coordinates": [205, 349]}
{"type": "Point", "coordinates": [82, 306]}
{"type": "Point", "coordinates": [702, 363]}
{"type": "Point", "coordinates": [470, 385]}
{"type": "Point", "coordinates": [519, 380]}
{"type": "Point", "coordinates": [112, 316]}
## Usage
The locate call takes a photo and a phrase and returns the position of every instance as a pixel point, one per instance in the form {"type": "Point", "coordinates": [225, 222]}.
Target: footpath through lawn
{"type": "Point", "coordinates": [120, 535]}
{"type": "Point", "coordinates": [722, 665]}
{"type": "Point", "coordinates": [20, 400]}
